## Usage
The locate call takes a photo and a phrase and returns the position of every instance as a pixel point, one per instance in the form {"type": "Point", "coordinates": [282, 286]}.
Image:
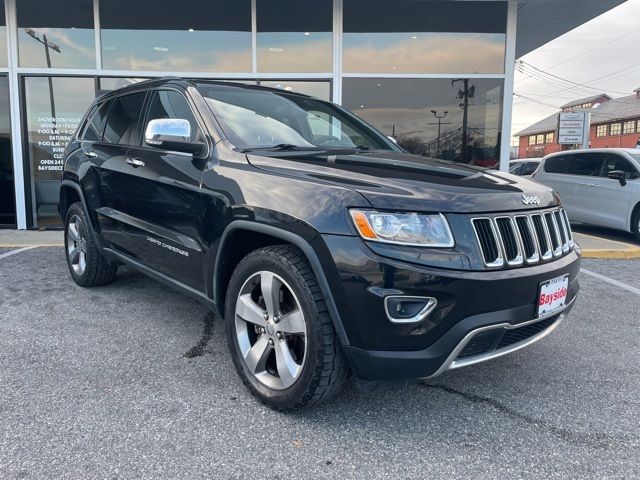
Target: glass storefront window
{"type": "Point", "coordinates": [294, 35]}
{"type": "Point", "coordinates": [54, 107]}
{"type": "Point", "coordinates": [408, 109]}
{"type": "Point", "coordinates": [4, 62]}
{"type": "Point", "coordinates": [406, 36]}
{"type": "Point", "coordinates": [316, 89]}
{"type": "Point", "coordinates": [193, 36]}
{"type": "Point", "coordinates": [56, 34]}
{"type": "Point", "coordinates": [7, 192]}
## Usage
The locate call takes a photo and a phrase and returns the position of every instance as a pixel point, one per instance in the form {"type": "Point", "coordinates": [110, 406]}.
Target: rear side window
{"type": "Point", "coordinates": [171, 104]}
{"type": "Point", "coordinates": [528, 168]}
{"type": "Point", "coordinates": [95, 123]}
{"type": "Point", "coordinates": [556, 164]}
{"type": "Point", "coordinates": [586, 164]}
{"type": "Point", "coordinates": [122, 125]}
{"type": "Point", "coordinates": [617, 162]}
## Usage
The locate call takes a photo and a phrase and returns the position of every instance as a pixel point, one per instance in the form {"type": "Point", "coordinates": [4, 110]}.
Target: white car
{"type": "Point", "coordinates": [597, 186]}
{"type": "Point", "coordinates": [524, 167]}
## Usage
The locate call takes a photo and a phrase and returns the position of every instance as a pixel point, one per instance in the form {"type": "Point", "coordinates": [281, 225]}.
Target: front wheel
{"type": "Point", "coordinates": [635, 225]}
{"type": "Point", "coordinates": [87, 265]}
{"type": "Point", "coordinates": [280, 334]}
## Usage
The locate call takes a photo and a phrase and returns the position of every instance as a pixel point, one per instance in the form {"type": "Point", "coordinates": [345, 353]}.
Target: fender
{"type": "Point", "coordinates": [80, 192]}
{"type": "Point", "coordinates": [308, 251]}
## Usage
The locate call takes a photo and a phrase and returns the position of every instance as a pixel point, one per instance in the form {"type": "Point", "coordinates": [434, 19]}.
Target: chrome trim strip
{"type": "Point", "coordinates": [535, 258]}
{"type": "Point", "coordinates": [519, 259]}
{"type": "Point", "coordinates": [421, 315]}
{"type": "Point", "coordinates": [452, 363]}
{"type": "Point", "coordinates": [499, 261]}
{"type": "Point", "coordinates": [556, 234]}
{"type": "Point", "coordinates": [568, 225]}
{"type": "Point", "coordinates": [557, 217]}
{"type": "Point", "coordinates": [548, 253]}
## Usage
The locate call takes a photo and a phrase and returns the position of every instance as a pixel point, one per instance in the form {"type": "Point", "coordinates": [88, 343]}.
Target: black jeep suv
{"type": "Point", "coordinates": [326, 248]}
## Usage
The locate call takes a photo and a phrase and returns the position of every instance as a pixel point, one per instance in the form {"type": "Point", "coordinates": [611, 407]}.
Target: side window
{"type": "Point", "coordinates": [122, 125]}
{"type": "Point", "coordinates": [556, 164]}
{"type": "Point", "coordinates": [528, 168]}
{"type": "Point", "coordinates": [172, 104]}
{"type": "Point", "coordinates": [617, 162]}
{"type": "Point", "coordinates": [587, 164]}
{"type": "Point", "coordinates": [95, 123]}
{"type": "Point", "coordinates": [515, 169]}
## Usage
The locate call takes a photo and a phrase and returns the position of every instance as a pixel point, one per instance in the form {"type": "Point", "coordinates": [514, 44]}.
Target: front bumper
{"type": "Point", "coordinates": [480, 314]}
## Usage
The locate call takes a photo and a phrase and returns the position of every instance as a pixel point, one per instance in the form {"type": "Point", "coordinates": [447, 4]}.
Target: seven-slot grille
{"type": "Point", "coordinates": [519, 238]}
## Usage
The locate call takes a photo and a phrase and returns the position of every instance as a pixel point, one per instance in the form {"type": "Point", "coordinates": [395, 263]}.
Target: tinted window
{"type": "Point", "coordinates": [588, 164]}
{"type": "Point", "coordinates": [95, 123]}
{"type": "Point", "coordinates": [557, 164]}
{"type": "Point", "coordinates": [528, 168]}
{"type": "Point", "coordinates": [409, 36]}
{"type": "Point", "coordinates": [294, 35]}
{"type": "Point", "coordinates": [617, 162]}
{"type": "Point", "coordinates": [171, 104]}
{"type": "Point", "coordinates": [56, 34]}
{"type": "Point", "coordinates": [189, 35]}
{"type": "Point", "coordinates": [3, 37]}
{"type": "Point", "coordinates": [122, 125]}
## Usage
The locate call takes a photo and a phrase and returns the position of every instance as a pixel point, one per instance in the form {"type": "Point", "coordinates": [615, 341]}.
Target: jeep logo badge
{"type": "Point", "coordinates": [534, 200]}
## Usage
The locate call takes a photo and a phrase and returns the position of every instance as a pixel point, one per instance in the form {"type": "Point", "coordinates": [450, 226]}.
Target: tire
{"type": "Point", "coordinates": [263, 349]}
{"type": "Point", "coordinates": [87, 265]}
{"type": "Point", "coordinates": [635, 225]}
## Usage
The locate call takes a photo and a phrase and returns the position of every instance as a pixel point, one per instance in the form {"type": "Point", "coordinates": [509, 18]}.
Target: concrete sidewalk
{"type": "Point", "coordinates": [592, 246]}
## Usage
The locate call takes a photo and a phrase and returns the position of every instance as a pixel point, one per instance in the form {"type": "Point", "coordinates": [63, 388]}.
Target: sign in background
{"type": "Point", "coordinates": [573, 128]}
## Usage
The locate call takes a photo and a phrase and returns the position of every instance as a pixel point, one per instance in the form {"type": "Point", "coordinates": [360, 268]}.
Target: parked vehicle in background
{"type": "Point", "coordinates": [597, 186]}
{"type": "Point", "coordinates": [524, 167]}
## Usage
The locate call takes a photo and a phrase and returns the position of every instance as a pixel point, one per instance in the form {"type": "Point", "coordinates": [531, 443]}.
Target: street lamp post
{"type": "Point", "coordinates": [47, 45]}
{"type": "Point", "coordinates": [439, 117]}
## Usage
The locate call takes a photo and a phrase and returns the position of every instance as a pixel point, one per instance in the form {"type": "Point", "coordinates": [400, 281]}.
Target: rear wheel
{"type": "Point", "coordinates": [87, 265]}
{"type": "Point", "coordinates": [280, 334]}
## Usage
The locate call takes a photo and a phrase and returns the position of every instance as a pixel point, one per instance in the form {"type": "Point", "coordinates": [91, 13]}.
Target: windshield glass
{"type": "Point", "coordinates": [263, 119]}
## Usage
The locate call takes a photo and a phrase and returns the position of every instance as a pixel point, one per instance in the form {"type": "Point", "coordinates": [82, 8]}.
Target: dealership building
{"type": "Point", "coordinates": [437, 75]}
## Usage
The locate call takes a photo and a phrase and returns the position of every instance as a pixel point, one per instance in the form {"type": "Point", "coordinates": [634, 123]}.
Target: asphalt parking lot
{"type": "Point", "coordinates": [133, 380]}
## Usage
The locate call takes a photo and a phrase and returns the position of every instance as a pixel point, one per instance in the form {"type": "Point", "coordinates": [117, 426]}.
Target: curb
{"type": "Point", "coordinates": [628, 253]}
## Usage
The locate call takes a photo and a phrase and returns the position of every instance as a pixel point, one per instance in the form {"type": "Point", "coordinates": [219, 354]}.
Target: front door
{"type": "Point", "coordinates": [164, 203]}
{"type": "Point", "coordinates": [605, 201]}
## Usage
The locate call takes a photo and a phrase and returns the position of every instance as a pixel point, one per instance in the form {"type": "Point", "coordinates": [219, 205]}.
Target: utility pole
{"type": "Point", "coordinates": [465, 94]}
{"type": "Point", "coordinates": [439, 117]}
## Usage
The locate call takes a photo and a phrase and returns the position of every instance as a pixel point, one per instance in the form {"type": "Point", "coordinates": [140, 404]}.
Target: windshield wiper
{"type": "Point", "coordinates": [282, 147]}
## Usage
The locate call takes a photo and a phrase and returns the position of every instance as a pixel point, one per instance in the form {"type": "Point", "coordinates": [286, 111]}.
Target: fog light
{"type": "Point", "coordinates": [404, 309]}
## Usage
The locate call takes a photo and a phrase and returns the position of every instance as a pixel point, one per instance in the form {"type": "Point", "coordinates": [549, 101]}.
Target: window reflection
{"type": "Point", "coordinates": [320, 90]}
{"type": "Point", "coordinates": [408, 109]}
{"type": "Point", "coordinates": [294, 36]}
{"type": "Point", "coordinates": [405, 36]}
{"type": "Point", "coordinates": [56, 34]}
{"type": "Point", "coordinates": [51, 120]}
{"type": "Point", "coordinates": [7, 194]}
{"type": "Point", "coordinates": [195, 36]}
{"type": "Point", "coordinates": [3, 37]}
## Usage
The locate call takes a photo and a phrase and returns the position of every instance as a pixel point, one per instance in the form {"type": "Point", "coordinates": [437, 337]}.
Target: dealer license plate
{"type": "Point", "coordinates": [552, 295]}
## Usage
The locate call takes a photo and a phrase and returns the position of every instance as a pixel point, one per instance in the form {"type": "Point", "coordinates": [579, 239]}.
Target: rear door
{"type": "Point", "coordinates": [109, 153]}
{"type": "Point", "coordinates": [555, 175]}
{"type": "Point", "coordinates": [164, 204]}
{"type": "Point", "coordinates": [584, 170]}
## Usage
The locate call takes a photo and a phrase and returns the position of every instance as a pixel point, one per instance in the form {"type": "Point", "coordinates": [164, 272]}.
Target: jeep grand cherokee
{"type": "Point", "coordinates": [327, 250]}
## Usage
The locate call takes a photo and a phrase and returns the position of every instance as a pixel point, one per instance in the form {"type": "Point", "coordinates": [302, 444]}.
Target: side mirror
{"type": "Point", "coordinates": [171, 134]}
{"type": "Point", "coordinates": [618, 175]}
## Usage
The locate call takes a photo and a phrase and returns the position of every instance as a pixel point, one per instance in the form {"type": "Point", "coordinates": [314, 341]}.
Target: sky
{"type": "Point", "coordinates": [602, 53]}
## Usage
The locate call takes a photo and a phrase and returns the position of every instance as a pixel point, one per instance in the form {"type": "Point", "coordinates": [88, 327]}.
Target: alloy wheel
{"type": "Point", "coordinates": [271, 330]}
{"type": "Point", "coordinates": [77, 245]}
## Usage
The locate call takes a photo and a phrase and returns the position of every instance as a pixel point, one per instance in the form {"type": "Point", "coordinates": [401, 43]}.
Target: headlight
{"type": "Point", "coordinates": [403, 228]}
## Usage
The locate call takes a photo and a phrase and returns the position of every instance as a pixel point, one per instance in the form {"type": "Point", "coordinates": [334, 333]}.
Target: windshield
{"type": "Point", "coordinates": [262, 119]}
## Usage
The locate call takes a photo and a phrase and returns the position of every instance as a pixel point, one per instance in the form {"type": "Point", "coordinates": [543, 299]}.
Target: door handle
{"type": "Point", "coordinates": [89, 154]}
{"type": "Point", "coordinates": [136, 162]}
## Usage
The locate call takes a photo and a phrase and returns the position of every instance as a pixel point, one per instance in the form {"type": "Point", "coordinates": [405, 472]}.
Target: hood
{"type": "Point", "coordinates": [404, 182]}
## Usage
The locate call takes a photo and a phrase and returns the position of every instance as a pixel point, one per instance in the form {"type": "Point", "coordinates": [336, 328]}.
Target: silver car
{"type": "Point", "coordinates": [524, 167]}
{"type": "Point", "coordinates": [597, 186]}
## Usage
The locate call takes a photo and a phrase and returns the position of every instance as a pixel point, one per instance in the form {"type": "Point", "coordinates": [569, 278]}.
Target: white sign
{"type": "Point", "coordinates": [573, 128]}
